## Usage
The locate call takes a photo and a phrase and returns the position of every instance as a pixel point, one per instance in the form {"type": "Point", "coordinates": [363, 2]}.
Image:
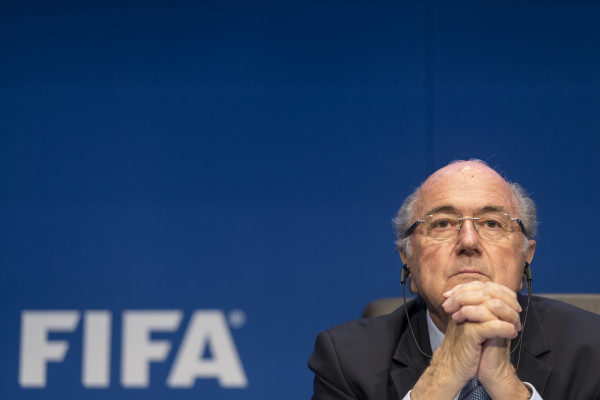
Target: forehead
{"type": "Point", "coordinates": [466, 186]}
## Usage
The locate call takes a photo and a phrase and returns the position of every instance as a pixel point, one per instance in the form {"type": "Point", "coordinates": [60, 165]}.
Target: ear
{"type": "Point", "coordinates": [529, 255]}
{"type": "Point", "coordinates": [404, 259]}
{"type": "Point", "coordinates": [402, 256]}
{"type": "Point", "coordinates": [528, 258]}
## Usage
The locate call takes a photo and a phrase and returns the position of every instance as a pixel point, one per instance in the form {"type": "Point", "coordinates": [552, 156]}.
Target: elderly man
{"type": "Point", "coordinates": [466, 238]}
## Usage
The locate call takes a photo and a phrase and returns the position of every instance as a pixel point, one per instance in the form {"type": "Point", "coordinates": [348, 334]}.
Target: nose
{"type": "Point", "coordinates": [469, 242]}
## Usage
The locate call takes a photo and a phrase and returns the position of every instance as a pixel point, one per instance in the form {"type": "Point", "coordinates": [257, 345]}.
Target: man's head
{"type": "Point", "coordinates": [465, 189]}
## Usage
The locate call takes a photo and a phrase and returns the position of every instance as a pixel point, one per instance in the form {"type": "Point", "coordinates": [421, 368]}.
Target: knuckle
{"type": "Point", "coordinates": [501, 325]}
{"type": "Point", "coordinates": [460, 295]}
{"type": "Point", "coordinates": [495, 303]}
{"type": "Point", "coordinates": [472, 286]}
{"type": "Point", "coordinates": [458, 287]}
{"type": "Point", "coordinates": [495, 306]}
{"type": "Point", "coordinates": [489, 290]}
{"type": "Point", "coordinates": [466, 310]}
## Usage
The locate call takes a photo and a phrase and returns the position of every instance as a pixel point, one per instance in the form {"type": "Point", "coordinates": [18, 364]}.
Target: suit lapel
{"type": "Point", "coordinates": [408, 363]}
{"type": "Point", "coordinates": [532, 367]}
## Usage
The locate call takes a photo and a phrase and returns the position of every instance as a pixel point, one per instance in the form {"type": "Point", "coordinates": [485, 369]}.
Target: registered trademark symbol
{"type": "Point", "coordinates": [237, 318]}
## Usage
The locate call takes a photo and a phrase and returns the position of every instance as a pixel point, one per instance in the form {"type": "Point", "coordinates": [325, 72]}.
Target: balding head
{"type": "Point", "coordinates": [460, 176]}
{"type": "Point", "coordinates": [469, 173]}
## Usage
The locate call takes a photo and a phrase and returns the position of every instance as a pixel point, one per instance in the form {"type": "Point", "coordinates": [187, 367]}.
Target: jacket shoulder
{"type": "Point", "coordinates": [355, 357]}
{"type": "Point", "coordinates": [362, 337]}
{"type": "Point", "coordinates": [563, 320]}
{"type": "Point", "coordinates": [574, 348]}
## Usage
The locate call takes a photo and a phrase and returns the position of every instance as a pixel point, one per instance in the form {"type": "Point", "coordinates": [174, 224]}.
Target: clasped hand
{"type": "Point", "coordinates": [484, 317]}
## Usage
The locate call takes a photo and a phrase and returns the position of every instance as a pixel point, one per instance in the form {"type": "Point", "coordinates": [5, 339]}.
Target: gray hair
{"type": "Point", "coordinates": [405, 216]}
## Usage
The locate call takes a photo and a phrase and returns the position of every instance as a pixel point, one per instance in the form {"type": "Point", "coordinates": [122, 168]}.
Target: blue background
{"type": "Point", "coordinates": [222, 155]}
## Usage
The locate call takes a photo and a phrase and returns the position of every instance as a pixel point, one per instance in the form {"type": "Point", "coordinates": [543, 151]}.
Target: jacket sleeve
{"type": "Point", "coordinates": [329, 383]}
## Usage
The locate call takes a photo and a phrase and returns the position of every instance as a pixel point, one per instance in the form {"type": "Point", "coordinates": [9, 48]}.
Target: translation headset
{"type": "Point", "coordinates": [528, 276]}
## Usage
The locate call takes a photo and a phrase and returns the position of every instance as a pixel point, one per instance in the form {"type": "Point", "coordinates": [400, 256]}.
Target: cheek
{"type": "Point", "coordinates": [436, 256]}
{"type": "Point", "coordinates": [509, 267]}
{"type": "Point", "coordinates": [433, 261]}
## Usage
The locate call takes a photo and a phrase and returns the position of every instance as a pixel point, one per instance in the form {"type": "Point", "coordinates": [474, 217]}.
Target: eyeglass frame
{"type": "Point", "coordinates": [411, 228]}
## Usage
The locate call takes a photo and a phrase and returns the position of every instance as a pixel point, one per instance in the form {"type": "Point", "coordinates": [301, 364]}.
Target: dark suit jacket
{"type": "Point", "coordinates": [376, 358]}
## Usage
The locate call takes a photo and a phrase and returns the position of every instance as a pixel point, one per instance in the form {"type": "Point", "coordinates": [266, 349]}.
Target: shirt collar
{"type": "Point", "coordinates": [436, 337]}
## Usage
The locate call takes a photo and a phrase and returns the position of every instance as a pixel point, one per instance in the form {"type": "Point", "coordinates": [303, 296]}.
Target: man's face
{"type": "Point", "coordinates": [437, 267]}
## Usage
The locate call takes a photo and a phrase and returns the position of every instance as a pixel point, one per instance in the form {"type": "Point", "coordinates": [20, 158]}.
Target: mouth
{"type": "Point", "coordinates": [473, 272]}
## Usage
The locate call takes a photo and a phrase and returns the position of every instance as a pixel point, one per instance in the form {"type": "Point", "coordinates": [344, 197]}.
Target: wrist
{"type": "Point", "coordinates": [507, 387]}
{"type": "Point", "coordinates": [436, 383]}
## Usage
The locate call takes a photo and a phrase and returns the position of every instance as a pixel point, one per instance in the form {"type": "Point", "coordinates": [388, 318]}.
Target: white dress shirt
{"type": "Point", "coordinates": [436, 337]}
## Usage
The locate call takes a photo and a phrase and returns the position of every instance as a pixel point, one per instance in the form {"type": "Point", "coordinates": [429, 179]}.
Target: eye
{"type": "Point", "coordinates": [442, 224]}
{"type": "Point", "coordinates": [491, 223]}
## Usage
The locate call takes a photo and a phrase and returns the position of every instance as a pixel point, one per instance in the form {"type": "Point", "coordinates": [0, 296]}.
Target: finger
{"type": "Point", "coordinates": [473, 314]}
{"type": "Point", "coordinates": [496, 287]}
{"type": "Point", "coordinates": [488, 311]}
{"type": "Point", "coordinates": [461, 299]}
{"type": "Point", "coordinates": [496, 329]}
{"type": "Point", "coordinates": [503, 293]}
{"type": "Point", "coordinates": [449, 292]}
{"type": "Point", "coordinates": [503, 312]}
{"type": "Point", "coordinates": [508, 291]}
{"type": "Point", "coordinates": [477, 292]}
{"type": "Point", "coordinates": [463, 286]}
{"type": "Point", "coordinates": [484, 286]}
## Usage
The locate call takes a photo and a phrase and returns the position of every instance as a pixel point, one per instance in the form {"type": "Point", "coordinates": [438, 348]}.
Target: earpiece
{"type": "Point", "coordinates": [527, 272]}
{"type": "Point", "coordinates": [404, 275]}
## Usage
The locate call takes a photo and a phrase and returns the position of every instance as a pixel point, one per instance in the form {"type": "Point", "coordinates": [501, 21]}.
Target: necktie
{"type": "Point", "coordinates": [473, 390]}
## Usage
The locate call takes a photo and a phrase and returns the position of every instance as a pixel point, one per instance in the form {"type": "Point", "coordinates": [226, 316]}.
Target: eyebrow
{"type": "Point", "coordinates": [453, 210]}
{"type": "Point", "coordinates": [443, 209]}
{"type": "Point", "coordinates": [487, 209]}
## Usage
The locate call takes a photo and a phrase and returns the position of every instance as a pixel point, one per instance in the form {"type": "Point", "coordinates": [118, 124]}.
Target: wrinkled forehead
{"type": "Point", "coordinates": [466, 186]}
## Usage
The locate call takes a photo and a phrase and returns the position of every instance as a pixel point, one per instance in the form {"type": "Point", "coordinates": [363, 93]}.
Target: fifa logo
{"type": "Point", "coordinates": [207, 329]}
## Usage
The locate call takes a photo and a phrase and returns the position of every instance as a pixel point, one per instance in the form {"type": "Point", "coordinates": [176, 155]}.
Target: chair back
{"type": "Point", "coordinates": [589, 302]}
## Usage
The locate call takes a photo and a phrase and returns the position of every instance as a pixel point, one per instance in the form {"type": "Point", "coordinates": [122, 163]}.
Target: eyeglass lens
{"type": "Point", "coordinates": [490, 226]}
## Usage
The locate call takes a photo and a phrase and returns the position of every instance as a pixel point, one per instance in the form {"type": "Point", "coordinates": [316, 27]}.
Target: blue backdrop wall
{"type": "Point", "coordinates": [247, 157]}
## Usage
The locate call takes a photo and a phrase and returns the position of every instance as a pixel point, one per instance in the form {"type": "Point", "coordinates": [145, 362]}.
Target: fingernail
{"type": "Point", "coordinates": [447, 294]}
